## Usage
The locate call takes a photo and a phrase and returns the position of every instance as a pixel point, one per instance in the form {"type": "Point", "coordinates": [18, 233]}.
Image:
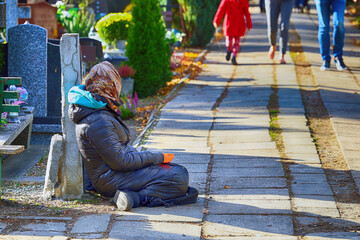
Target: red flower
{"type": "Point", "coordinates": [126, 71]}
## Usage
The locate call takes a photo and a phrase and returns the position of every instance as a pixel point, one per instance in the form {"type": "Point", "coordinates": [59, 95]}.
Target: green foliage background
{"type": "Point", "coordinates": [147, 49]}
{"type": "Point", "coordinates": [198, 16]}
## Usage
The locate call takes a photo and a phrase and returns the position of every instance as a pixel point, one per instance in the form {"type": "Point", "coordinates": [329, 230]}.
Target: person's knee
{"type": "Point", "coordinates": [181, 177]}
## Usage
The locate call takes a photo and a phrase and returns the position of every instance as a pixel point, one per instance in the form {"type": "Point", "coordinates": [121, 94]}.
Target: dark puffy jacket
{"type": "Point", "coordinates": [102, 139]}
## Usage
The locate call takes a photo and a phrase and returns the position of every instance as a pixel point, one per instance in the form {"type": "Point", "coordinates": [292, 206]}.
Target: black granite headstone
{"type": "Point", "coordinates": [54, 83]}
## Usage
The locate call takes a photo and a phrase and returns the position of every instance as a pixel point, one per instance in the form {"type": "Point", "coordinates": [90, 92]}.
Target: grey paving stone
{"type": "Point", "coordinates": [248, 225]}
{"type": "Point", "coordinates": [240, 182]}
{"type": "Point", "coordinates": [240, 194]}
{"type": "Point", "coordinates": [37, 234]}
{"type": "Point", "coordinates": [309, 178]}
{"type": "Point", "coordinates": [183, 158]}
{"type": "Point", "coordinates": [48, 226]}
{"type": "Point", "coordinates": [305, 158]}
{"type": "Point", "coordinates": [311, 189]}
{"type": "Point", "coordinates": [154, 230]}
{"type": "Point", "coordinates": [248, 145]}
{"type": "Point", "coordinates": [238, 162]}
{"type": "Point", "coordinates": [336, 235]}
{"type": "Point", "coordinates": [248, 172]}
{"type": "Point", "coordinates": [259, 238]}
{"type": "Point", "coordinates": [184, 213]}
{"type": "Point", "coordinates": [292, 148]}
{"type": "Point", "coordinates": [239, 136]}
{"type": "Point", "coordinates": [2, 226]}
{"type": "Point", "coordinates": [91, 224]}
{"type": "Point", "coordinates": [314, 201]}
{"type": "Point", "coordinates": [87, 236]}
{"type": "Point", "coordinates": [306, 168]}
{"type": "Point", "coordinates": [298, 141]}
{"type": "Point", "coordinates": [249, 152]}
{"type": "Point", "coordinates": [290, 135]}
{"type": "Point", "coordinates": [253, 206]}
{"type": "Point", "coordinates": [195, 168]}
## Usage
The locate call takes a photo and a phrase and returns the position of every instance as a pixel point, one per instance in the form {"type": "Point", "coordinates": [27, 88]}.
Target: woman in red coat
{"type": "Point", "coordinates": [234, 25]}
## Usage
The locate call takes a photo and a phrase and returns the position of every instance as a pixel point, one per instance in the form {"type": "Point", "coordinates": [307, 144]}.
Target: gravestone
{"type": "Point", "coordinates": [13, 12]}
{"type": "Point", "coordinates": [27, 58]}
{"type": "Point", "coordinates": [44, 15]}
{"type": "Point", "coordinates": [91, 52]}
{"type": "Point", "coordinates": [53, 113]}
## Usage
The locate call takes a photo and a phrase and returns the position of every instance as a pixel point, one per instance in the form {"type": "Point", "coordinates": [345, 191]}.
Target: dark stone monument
{"type": "Point", "coordinates": [53, 84]}
{"type": "Point", "coordinates": [27, 58]}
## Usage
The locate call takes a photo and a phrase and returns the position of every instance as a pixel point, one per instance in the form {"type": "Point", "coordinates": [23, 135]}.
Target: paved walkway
{"type": "Point", "coordinates": [218, 127]}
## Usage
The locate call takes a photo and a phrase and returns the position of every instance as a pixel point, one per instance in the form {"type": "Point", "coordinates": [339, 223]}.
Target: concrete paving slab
{"type": "Point", "coordinates": [309, 178]}
{"type": "Point", "coordinates": [195, 168]}
{"type": "Point", "coordinates": [253, 206]}
{"type": "Point", "coordinates": [259, 238]}
{"type": "Point", "coordinates": [2, 226]}
{"type": "Point", "coordinates": [312, 189]}
{"type": "Point", "coordinates": [298, 141]}
{"type": "Point", "coordinates": [304, 158]}
{"type": "Point", "coordinates": [220, 163]}
{"type": "Point", "coordinates": [251, 194]}
{"type": "Point", "coordinates": [91, 224]}
{"type": "Point", "coordinates": [180, 150]}
{"type": "Point", "coordinates": [291, 148]}
{"type": "Point", "coordinates": [314, 201]}
{"type": "Point", "coordinates": [336, 235]}
{"type": "Point", "coordinates": [154, 230]}
{"type": "Point", "coordinates": [306, 168]}
{"type": "Point", "coordinates": [248, 172]}
{"type": "Point", "coordinates": [248, 225]}
{"type": "Point", "coordinates": [248, 145]}
{"type": "Point", "coordinates": [219, 183]}
{"type": "Point", "coordinates": [48, 226]}
{"type": "Point", "coordinates": [186, 213]}
{"type": "Point", "coordinates": [183, 158]}
{"type": "Point", "coordinates": [249, 152]}
{"type": "Point", "coordinates": [33, 235]}
{"type": "Point", "coordinates": [290, 134]}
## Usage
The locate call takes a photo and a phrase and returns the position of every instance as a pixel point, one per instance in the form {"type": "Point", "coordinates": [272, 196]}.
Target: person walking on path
{"type": "Point", "coordinates": [324, 9]}
{"type": "Point", "coordinates": [115, 169]}
{"type": "Point", "coordinates": [234, 25]}
{"type": "Point", "coordinates": [273, 9]}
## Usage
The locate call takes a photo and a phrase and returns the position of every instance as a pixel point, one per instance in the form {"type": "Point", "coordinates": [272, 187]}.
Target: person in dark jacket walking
{"type": "Point", "coordinates": [115, 168]}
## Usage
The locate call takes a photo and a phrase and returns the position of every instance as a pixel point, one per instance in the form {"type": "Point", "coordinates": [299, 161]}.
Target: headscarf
{"type": "Point", "coordinates": [104, 83]}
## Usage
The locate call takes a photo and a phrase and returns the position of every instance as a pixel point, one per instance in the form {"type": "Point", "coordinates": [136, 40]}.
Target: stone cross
{"type": "Point", "coordinates": [13, 12]}
{"type": "Point", "coordinates": [71, 173]}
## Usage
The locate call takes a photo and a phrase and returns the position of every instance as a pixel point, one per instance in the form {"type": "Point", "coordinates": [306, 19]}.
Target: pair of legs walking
{"type": "Point", "coordinates": [324, 9]}
{"type": "Point", "coordinates": [274, 9]}
{"type": "Point", "coordinates": [233, 46]}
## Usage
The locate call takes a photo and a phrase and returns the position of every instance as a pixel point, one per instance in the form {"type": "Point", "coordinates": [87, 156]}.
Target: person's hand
{"type": "Point", "coordinates": [215, 25]}
{"type": "Point", "coordinates": [168, 157]}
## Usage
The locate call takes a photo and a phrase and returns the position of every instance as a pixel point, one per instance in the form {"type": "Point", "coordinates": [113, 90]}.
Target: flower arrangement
{"type": "Point", "coordinates": [3, 121]}
{"type": "Point", "coordinates": [114, 26]}
{"type": "Point", "coordinates": [128, 106]}
{"type": "Point", "coordinates": [75, 20]}
{"type": "Point", "coordinates": [126, 71]}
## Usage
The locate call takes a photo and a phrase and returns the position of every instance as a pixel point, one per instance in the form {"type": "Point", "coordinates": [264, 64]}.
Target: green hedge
{"type": "Point", "coordinates": [198, 16]}
{"type": "Point", "coordinates": [147, 49]}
